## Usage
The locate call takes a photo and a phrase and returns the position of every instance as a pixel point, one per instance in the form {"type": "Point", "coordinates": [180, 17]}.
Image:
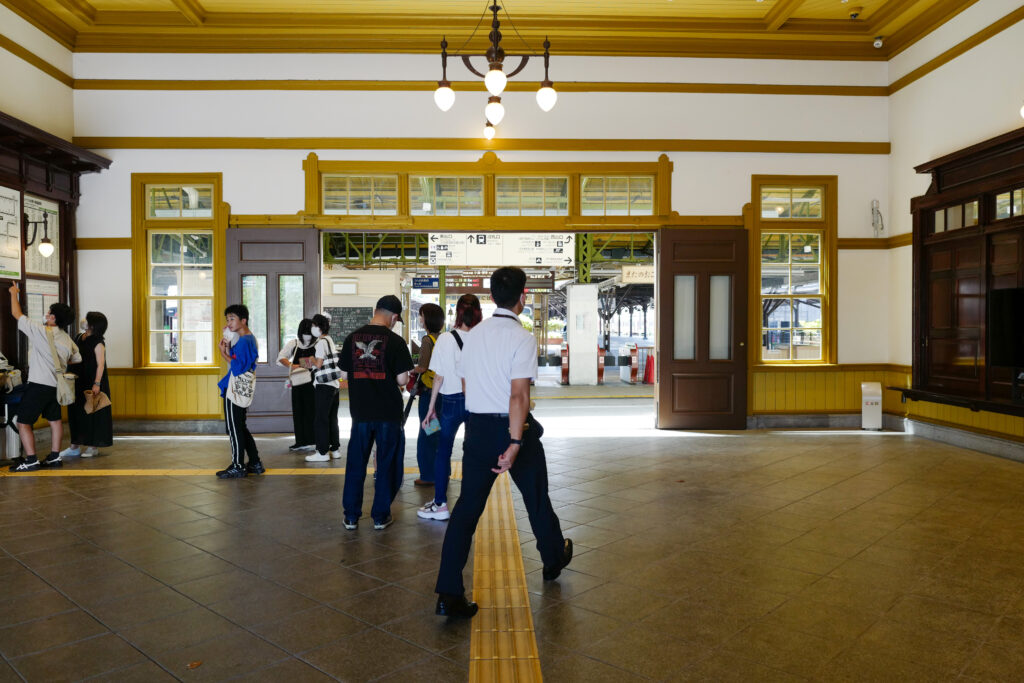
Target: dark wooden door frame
{"type": "Point", "coordinates": [701, 393]}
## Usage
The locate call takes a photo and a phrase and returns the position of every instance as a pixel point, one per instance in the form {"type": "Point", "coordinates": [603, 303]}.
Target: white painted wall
{"type": "Point", "coordinates": [105, 285]}
{"type": "Point", "coordinates": [26, 92]}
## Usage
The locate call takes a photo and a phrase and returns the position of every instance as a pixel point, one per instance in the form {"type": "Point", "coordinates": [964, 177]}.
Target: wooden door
{"type": "Point", "coordinates": [701, 365]}
{"type": "Point", "coordinates": [276, 274]}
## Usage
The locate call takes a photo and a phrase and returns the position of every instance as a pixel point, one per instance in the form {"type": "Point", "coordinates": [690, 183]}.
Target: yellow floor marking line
{"type": "Point", "coordinates": [281, 471]}
{"type": "Point", "coordinates": [565, 398]}
{"type": "Point", "coordinates": [503, 646]}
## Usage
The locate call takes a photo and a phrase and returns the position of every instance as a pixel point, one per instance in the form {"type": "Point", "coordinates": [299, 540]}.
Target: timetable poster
{"type": "Point", "coordinates": [39, 296]}
{"type": "Point", "coordinates": [10, 233]}
{"type": "Point", "coordinates": [36, 263]}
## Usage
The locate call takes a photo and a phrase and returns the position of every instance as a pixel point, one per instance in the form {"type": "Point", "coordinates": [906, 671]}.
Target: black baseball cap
{"type": "Point", "coordinates": [390, 303]}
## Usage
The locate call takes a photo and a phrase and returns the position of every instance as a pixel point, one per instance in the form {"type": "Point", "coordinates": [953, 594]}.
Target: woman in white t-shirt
{"type": "Point", "coordinates": [451, 410]}
{"type": "Point", "coordinates": [325, 397]}
{"type": "Point", "coordinates": [297, 356]}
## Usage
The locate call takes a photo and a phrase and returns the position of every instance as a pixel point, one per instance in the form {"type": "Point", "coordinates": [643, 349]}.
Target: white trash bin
{"type": "Point", "coordinates": [871, 405]}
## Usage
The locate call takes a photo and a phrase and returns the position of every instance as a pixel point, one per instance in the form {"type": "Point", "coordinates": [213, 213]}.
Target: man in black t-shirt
{"type": "Point", "coordinates": [377, 364]}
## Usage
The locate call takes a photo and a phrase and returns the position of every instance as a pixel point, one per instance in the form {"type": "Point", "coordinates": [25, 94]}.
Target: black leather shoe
{"type": "Point", "coordinates": [255, 467]}
{"type": "Point", "coordinates": [551, 573]}
{"type": "Point", "coordinates": [455, 606]}
{"type": "Point", "coordinates": [233, 472]}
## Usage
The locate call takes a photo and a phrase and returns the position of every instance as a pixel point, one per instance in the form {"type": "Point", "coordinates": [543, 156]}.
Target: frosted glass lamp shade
{"type": "Point", "coordinates": [489, 131]}
{"type": "Point", "coordinates": [444, 97]}
{"type": "Point", "coordinates": [495, 81]}
{"type": "Point", "coordinates": [1022, 111]}
{"type": "Point", "coordinates": [495, 112]}
{"type": "Point", "coordinates": [46, 248]}
{"type": "Point", "coordinates": [546, 98]}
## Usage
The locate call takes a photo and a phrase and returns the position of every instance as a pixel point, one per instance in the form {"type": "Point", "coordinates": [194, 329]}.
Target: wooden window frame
{"type": "Point", "coordinates": [827, 227]}
{"type": "Point", "coordinates": [142, 227]}
{"type": "Point", "coordinates": [490, 167]}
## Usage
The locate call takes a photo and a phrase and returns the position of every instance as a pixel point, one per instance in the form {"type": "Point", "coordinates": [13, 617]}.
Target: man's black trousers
{"type": "Point", "coordinates": [487, 437]}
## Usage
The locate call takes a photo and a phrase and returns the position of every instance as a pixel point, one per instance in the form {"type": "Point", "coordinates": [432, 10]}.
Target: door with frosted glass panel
{"type": "Point", "coordinates": [276, 274]}
{"type": "Point", "coordinates": [701, 366]}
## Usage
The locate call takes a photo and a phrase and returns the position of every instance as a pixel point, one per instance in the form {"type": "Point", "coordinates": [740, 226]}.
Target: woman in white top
{"type": "Point", "coordinates": [297, 356]}
{"type": "Point", "coordinates": [451, 412]}
{"type": "Point", "coordinates": [325, 397]}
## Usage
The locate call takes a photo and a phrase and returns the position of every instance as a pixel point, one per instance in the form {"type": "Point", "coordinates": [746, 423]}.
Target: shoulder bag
{"type": "Point", "coordinates": [330, 370]}
{"type": "Point", "coordinates": [242, 389]}
{"type": "Point", "coordinates": [300, 375]}
{"type": "Point", "coordinates": [65, 388]}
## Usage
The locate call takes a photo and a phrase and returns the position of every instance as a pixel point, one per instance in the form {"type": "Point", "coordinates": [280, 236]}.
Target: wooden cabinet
{"type": "Point", "coordinates": [968, 241]}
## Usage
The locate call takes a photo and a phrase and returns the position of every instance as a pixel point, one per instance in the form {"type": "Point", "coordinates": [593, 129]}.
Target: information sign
{"type": "Point", "coordinates": [10, 233]}
{"type": "Point", "coordinates": [504, 249]}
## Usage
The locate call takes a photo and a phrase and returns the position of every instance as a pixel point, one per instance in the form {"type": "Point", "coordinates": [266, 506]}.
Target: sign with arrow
{"type": "Point", "coordinates": [502, 249]}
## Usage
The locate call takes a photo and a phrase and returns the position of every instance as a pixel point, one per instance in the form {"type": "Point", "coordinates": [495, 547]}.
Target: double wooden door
{"type": "Point", "coordinates": [276, 274]}
{"type": "Point", "coordinates": [701, 365]}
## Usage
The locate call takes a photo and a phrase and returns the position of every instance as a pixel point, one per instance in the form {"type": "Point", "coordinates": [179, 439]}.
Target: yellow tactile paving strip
{"type": "Point", "coordinates": [64, 472]}
{"type": "Point", "coordinates": [502, 646]}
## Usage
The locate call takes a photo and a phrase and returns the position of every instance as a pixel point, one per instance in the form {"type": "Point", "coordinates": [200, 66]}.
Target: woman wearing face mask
{"type": "Point", "coordinates": [94, 430]}
{"type": "Point", "coordinates": [325, 397]}
{"type": "Point", "coordinates": [297, 355]}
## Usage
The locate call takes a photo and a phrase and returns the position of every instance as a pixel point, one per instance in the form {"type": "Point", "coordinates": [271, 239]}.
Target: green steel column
{"type": "Point", "coordinates": [442, 293]}
{"type": "Point", "coordinates": [584, 256]}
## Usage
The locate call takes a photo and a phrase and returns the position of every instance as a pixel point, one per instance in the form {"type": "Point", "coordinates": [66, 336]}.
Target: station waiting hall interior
{"type": "Point", "coordinates": [775, 262]}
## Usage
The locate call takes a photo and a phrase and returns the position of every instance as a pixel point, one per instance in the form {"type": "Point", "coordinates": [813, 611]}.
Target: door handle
{"type": "Point", "coordinates": [743, 343]}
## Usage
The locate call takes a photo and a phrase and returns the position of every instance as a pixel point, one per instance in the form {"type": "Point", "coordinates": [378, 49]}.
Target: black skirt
{"type": "Point", "coordinates": [96, 430]}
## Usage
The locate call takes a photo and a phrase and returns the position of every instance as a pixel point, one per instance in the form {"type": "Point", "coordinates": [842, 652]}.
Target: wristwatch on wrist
{"type": "Point", "coordinates": [518, 442]}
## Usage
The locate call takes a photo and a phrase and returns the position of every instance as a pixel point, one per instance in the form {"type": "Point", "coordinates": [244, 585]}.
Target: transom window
{"type": "Point", "coordinates": [1010, 204]}
{"type": "Point", "coordinates": [180, 296]}
{"type": "Point", "coordinates": [530, 196]}
{"type": "Point", "coordinates": [179, 201]}
{"type": "Point", "coordinates": [446, 196]}
{"type": "Point", "coordinates": [355, 195]}
{"type": "Point", "coordinates": [617, 195]}
{"type": "Point", "coordinates": [956, 217]}
{"type": "Point", "coordinates": [791, 203]}
{"type": "Point", "coordinates": [791, 296]}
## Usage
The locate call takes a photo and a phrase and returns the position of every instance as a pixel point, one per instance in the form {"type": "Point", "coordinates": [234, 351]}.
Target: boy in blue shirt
{"type": "Point", "coordinates": [238, 347]}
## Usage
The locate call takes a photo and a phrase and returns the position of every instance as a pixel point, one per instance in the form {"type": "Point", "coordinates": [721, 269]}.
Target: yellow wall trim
{"type": "Point", "coordinates": [960, 48]}
{"type": "Point", "coordinates": [83, 243]}
{"type": "Point", "coordinates": [838, 367]}
{"type": "Point", "coordinates": [461, 144]}
{"type": "Point", "coordinates": [902, 240]}
{"type": "Point", "coordinates": [36, 61]}
{"type": "Point", "coordinates": [185, 370]}
{"type": "Point", "coordinates": [475, 86]}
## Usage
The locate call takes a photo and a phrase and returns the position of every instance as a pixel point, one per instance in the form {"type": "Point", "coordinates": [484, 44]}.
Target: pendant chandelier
{"type": "Point", "coordinates": [495, 79]}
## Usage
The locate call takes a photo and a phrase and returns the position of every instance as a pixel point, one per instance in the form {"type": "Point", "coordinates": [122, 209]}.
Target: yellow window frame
{"type": "Point", "coordinates": [827, 228]}
{"type": "Point", "coordinates": [142, 227]}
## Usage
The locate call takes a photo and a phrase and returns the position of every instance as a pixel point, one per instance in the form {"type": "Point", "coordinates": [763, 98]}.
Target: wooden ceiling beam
{"type": "Point", "coordinates": [926, 22]}
{"type": "Point", "coordinates": [192, 10]}
{"type": "Point", "coordinates": [781, 13]}
{"type": "Point", "coordinates": [888, 13]}
{"type": "Point", "coordinates": [45, 20]}
{"type": "Point", "coordinates": [80, 10]}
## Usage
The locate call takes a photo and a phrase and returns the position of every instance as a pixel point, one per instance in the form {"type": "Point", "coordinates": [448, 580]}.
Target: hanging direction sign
{"type": "Point", "coordinates": [504, 249]}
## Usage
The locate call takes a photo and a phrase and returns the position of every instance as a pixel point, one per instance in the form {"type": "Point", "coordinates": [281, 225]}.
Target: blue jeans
{"type": "Point", "coordinates": [451, 414]}
{"type": "Point", "coordinates": [390, 440]}
{"type": "Point", "coordinates": [426, 444]}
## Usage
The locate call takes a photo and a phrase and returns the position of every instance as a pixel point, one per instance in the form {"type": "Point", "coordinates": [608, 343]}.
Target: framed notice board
{"type": "Point", "coordinates": [346, 319]}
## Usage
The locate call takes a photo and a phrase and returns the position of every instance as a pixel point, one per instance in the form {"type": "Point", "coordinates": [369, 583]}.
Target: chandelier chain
{"type": "Point", "coordinates": [475, 29]}
{"type": "Point", "coordinates": [504, 7]}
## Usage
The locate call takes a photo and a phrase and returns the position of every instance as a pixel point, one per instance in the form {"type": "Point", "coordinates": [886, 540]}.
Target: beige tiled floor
{"type": "Point", "coordinates": [742, 556]}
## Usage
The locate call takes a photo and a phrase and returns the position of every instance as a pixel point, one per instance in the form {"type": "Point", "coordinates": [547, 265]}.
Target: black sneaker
{"type": "Point", "coordinates": [383, 523]}
{"type": "Point", "coordinates": [295, 447]}
{"type": "Point", "coordinates": [233, 472]}
{"type": "Point", "coordinates": [24, 466]}
{"type": "Point", "coordinates": [351, 523]}
{"type": "Point", "coordinates": [52, 460]}
{"type": "Point", "coordinates": [255, 467]}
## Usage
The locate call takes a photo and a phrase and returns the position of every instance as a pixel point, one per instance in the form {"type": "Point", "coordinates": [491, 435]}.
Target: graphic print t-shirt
{"type": "Point", "coordinates": [373, 357]}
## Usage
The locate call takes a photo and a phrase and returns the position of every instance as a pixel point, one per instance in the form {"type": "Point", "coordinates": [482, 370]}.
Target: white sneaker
{"type": "Point", "coordinates": [317, 457]}
{"type": "Point", "coordinates": [336, 454]}
{"type": "Point", "coordinates": [434, 511]}
{"type": "Point", "coordinates": [71, 453]}
{"type": "Point", "coordinates": [90, 452]}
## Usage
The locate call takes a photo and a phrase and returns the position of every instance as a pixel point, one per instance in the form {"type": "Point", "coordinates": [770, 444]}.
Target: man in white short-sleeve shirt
{"type": "Point", "coordinates": [40, 397]}
{"type": "Point", "coordinates": [499, 358]}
